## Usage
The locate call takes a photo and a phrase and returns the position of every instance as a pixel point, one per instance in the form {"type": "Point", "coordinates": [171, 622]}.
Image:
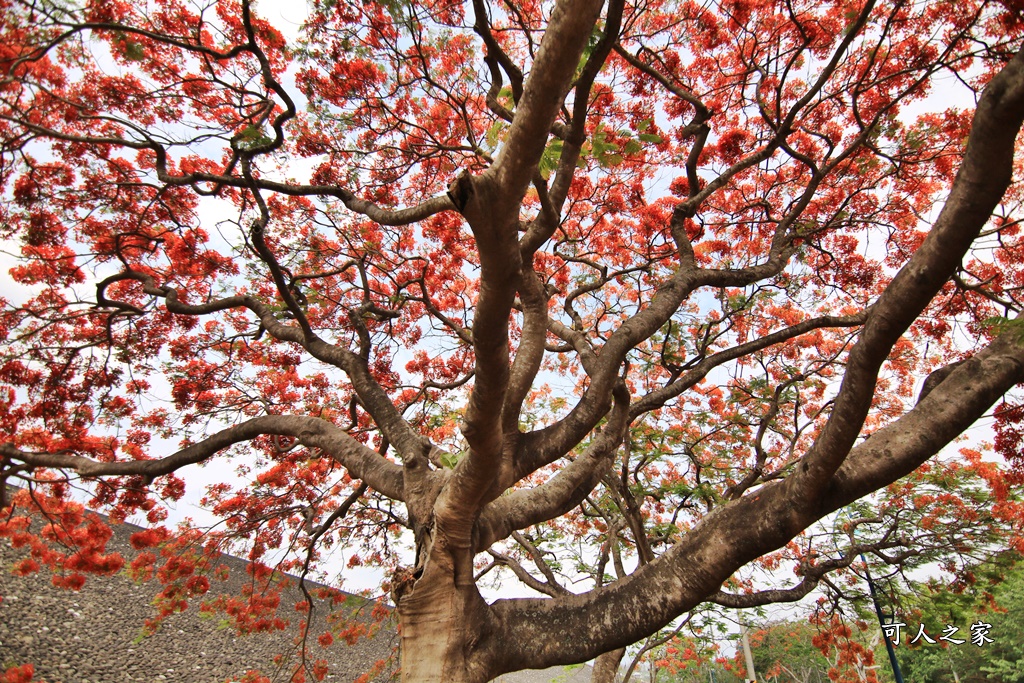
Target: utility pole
{"type": "Point", "coordinates": [881, 623]}
{"type": "Point", "coordinates": [897, 674]}
{"type": "Point", "coordinates": [751, 674]}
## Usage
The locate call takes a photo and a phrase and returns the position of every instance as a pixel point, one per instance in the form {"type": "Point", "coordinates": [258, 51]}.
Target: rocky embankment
{"type": "Point", "coordinates": [95, 635]}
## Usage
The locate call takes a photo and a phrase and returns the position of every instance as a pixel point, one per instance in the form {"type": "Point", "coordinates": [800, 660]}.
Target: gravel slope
{"type": "Point", "coordinates": [95, 635]}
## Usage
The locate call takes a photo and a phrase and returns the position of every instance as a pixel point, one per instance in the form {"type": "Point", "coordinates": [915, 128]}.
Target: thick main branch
{"type": "Point", "coordinates": [362, 462]}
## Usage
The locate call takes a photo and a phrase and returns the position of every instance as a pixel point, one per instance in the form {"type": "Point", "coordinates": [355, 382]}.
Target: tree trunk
{"type": "Point", "coordinates": [443, 631]}
{"type": "Point", "coordinates": [607, 666]}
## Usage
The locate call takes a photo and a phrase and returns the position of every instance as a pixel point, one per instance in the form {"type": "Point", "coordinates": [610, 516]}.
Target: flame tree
{"type": "Point", "coordinates": [517, 277]}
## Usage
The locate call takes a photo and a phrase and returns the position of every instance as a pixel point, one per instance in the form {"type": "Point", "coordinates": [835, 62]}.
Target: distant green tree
{"type": "Point", "coordinates": [709, 672]}
{"type": "Point", "coordinates": [784, 652]}
{"type": "Point", "coordinates": [993, 596]}
{"type": "Point", "coordinates": [1005, 659]}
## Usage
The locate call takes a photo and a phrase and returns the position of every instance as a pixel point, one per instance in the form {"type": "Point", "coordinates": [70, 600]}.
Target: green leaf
{"type": "Point", "coordinates": [252, 136]}
{"type": "Point", "coordinates": [496, 133]}
{"type": "Point", "coordinates": [549, 159]}
{"type": "Point", "coordinates": [251, 132]}
{"type": "Point", "coordinates": [651, 137]}
{"type": "Point", "coordinates": [450, 460]}
{"type": "Point", "coordinates": [599, 145]}
{"type": "Point", "coordinates": [134, 52]}
{"type": "Point", "coordinates": [1001, 325]}
{"type": "Point", "coordinates": [505, 97]}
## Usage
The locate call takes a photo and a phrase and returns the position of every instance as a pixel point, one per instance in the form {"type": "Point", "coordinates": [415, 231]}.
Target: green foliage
{"type": "Point", "coordinates": [450, 460]}
{"type": "Point", "coordinates": [607, 153]}
{"type": "Point", "coordinates": [785, 652]}
{"type": "Point", "coordinates": [1001, 325]}
{"type": "Point", "coordinates": [130, 49]}
{"type": "Point", "coordinates": [252, 136]}
{"type": "Point", "coordinates": [496, 134]}
{"type": "Point", "coordinates": [1002, 660]}
{"type": "Point", "coordinates": [712, 672]}
{"type": "Point", "coordinates": [549, 159]}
